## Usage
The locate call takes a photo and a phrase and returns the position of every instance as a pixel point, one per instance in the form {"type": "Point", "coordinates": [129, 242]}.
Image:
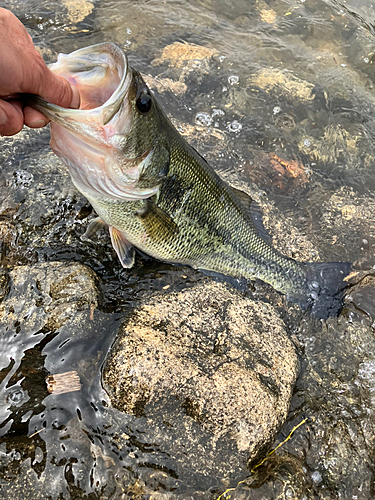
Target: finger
{"type": "Point", "coordinates": [3, 116]}
{"type": "Point", "coordinates": [57, 90]}
{"type": "Point", "coordinates": [34, 118]}
{"type": "Point", "coordinates": [12, 110]}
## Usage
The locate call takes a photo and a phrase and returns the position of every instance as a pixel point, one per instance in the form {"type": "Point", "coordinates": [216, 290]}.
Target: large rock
{"type": "Point", "coordinates": [210, 371]}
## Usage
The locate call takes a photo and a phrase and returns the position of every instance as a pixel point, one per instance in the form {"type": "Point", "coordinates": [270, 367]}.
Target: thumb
{"type": "Point", "coordinates": [57, 90]}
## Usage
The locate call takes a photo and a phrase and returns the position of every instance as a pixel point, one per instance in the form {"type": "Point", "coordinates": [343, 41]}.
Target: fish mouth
{"type": "Point", "coordinates": [102, 76]}
{"type": "Point", "coordinates": [89, 139]}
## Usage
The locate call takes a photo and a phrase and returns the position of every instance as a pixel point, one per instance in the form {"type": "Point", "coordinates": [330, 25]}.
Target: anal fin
{"type": "Point", "coordinates": [124, 249]}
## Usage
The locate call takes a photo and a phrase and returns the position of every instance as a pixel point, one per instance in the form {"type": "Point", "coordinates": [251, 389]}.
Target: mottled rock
{"type": "Point", "coordinates": [218, 367]}
{"type": "Point", "coordinates": [166, 85]}
{"type": "Point", "coordinates": [331, 455]}
{"type": "Point", "coordinates": [47, 294]}
{"type": "Point", "coordinates": [178, 54]}
{"type": "Point", "coordinates": [283, 82]}
{"type": "Point", "coordinates": [78, 10]}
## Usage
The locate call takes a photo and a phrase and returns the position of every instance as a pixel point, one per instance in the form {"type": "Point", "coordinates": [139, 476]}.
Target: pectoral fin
{"type": "Point", "coordinates": [157, 223]}
{"type": "Point", "coordinates": [94, 226]}
{"type": "Point", "coordinates": [124, 249]}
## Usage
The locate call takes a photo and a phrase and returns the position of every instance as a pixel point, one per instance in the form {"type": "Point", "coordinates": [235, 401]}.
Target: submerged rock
{"type": "Point", "coordinates": [47, 294]}
{"type": "Point", "coordinates": [283, 82]}
{"type": "Point", "coordinates": [46, 326]}
{"type": "Point", "coordinates": [338, 385]}
{"type": "Point", "coordinates": [210, 371]}
{"type": "Point", "coordinates": [178, 54]}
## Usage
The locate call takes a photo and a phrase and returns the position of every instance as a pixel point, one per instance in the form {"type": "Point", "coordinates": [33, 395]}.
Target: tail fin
{"type": "Point", "coordinates": [325, 288]}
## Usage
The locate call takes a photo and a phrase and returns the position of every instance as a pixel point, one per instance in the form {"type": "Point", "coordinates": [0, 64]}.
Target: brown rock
{"type": "Point", "coordinates": [218, 366]}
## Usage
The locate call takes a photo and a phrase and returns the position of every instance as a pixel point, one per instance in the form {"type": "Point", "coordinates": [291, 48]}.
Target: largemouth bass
{"type": "Point", "coordinates": [157, 194]}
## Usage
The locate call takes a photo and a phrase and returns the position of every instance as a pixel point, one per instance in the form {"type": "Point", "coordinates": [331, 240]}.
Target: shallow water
{"type": "Point", "coordinates": [280, 101]}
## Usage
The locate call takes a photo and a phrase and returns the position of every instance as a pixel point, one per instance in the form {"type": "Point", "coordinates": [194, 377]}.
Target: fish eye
{"type": "Point", "coordinates": [144, 102]}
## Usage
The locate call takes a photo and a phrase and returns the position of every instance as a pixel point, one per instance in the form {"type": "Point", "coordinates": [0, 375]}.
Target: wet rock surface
{"type": "Point", "coordinates": [210, 371]}
{"type": "Point", "coordinates": [46, 325]}
{"type": "Point", "coordinates": [50, 293]}
{"type": "Point", "coordinates": [39, 301]}
{"type": "Point", "coordinates": [192, 417]}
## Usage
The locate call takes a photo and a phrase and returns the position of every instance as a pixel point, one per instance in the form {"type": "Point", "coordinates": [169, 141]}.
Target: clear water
{"type": "Point", "coordinates": [283, 105]}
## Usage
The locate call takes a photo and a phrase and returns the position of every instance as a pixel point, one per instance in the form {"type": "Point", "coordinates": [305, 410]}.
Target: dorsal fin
{"type": "Point", "coordinates": [252, 208]}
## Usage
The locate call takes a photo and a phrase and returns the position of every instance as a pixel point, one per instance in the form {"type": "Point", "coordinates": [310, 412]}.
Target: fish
{"type": "Point", "coordinates": [155, 193]}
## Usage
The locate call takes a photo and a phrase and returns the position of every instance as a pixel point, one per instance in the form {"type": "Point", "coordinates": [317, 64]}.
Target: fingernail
{"type": "Point", "coordinates": [37, 124]}
{"type": "Point", "coordinates": [76, 99]}
{"type": "Point", "coordinates": [3, 117]}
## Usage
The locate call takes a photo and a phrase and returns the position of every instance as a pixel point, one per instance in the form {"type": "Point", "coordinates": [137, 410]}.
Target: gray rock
{"type": "Point", "coordinates": [211, 372]}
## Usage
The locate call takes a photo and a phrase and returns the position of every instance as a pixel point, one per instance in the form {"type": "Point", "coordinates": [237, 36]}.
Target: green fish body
{"type": "Point", "coordinates": [157, 194]}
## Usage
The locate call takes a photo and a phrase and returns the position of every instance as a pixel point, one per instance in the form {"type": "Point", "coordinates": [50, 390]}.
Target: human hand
{"type": "Point", "coordinates": [22, 70]}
